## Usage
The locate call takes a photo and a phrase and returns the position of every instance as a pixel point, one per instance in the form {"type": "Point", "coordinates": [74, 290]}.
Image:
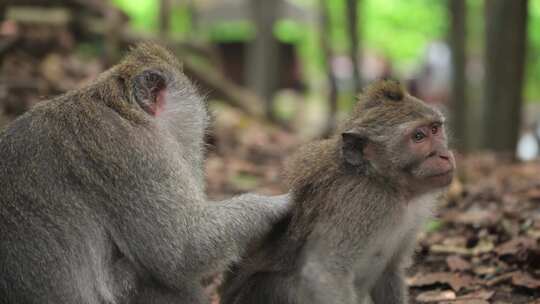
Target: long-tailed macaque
{"type": "Point", "coordinates": [102, 193]}
{"type": "Point", "coordinates": [359, 199]}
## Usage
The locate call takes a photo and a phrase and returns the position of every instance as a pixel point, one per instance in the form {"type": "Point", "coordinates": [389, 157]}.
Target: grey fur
{"type": "Point", "coordinates": [360, 198]}
{"type": "Point", "coordinates": [102, 203]}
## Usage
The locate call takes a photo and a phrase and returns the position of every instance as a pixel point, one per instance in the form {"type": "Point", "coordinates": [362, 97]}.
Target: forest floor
{"type": "Point", "coordinates": [481, 247]}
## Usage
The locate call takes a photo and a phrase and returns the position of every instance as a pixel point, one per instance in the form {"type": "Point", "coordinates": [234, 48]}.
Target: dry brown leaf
{"type": "Point", "coordinates": [465, 301]}
{"type": "Point", "coordinates": [523, 279]}
{"type": "Point", "coordinates": [534, 233]}
{"type": "Point", "coordinates": [436, 296]}
{"type": "Point", "coordinates": [456, 263]}
{"type": "Point", "coordinates": [485, 270]}
{"type": "Point", "coordinates": [483, 246]}
{"type": "Point", "coordinates": [477, 297]}
{"type": "Point", "coordinates": [477, 216]}
{"type": "Point", "coordinates": [514, 246]}
{"type": "Point", "coordinates": [455, 280]}
{"type": "Point", "coordinates": [500, 279]}
{"type": "Point", "coordinates": [480, 294]}
{"type": "Point", "coordinates": [452, 249]}
{"type": "Point", "coordinates": [533, 193]}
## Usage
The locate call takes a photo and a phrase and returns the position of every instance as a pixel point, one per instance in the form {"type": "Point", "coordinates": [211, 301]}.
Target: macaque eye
{"type": "Point", "coordinates": [418, 136]}
{"type": "Point", "coordinates": [434, 129]}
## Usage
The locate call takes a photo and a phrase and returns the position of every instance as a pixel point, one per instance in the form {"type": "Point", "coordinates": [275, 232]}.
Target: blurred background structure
{"type": "Point", "coordinates": [277, 73]}
{"type": "Point", "coordinates": [300, 63]}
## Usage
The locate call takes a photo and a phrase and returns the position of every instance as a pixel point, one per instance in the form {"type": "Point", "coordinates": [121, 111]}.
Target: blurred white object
{"type": "Point", "coordinates": [433, 77]}
{"type": "Point", "coordinates": [528, 148]}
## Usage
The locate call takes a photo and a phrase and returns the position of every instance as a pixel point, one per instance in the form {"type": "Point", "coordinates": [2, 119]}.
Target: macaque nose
{"type": "Point", "coordinates": [444, 155]}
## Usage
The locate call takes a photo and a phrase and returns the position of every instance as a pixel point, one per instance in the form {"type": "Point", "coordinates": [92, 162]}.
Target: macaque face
{"type": "Point", "coordinates": [412, 153]}
{"type": "Point", "coordinates": [431, 164]}
{"type": "Point", "coordinates": [400, 138]}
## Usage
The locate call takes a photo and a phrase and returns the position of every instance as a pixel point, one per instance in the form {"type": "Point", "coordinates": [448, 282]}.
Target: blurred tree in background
{"type": "Point", "coordinates": [262, 59]}
{"type": "Point", "coordinates": [506, 31]}
{"type": "Point", "coordinates": [458, 96]}
{"type": "Point", "coordinates": [301, 62]}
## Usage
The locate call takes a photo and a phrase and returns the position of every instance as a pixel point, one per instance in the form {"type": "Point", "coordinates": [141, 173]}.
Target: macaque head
{"type": "Point", "coordinates": [158, 91]}
{"type": "Point", "coordinates": [398, 137]}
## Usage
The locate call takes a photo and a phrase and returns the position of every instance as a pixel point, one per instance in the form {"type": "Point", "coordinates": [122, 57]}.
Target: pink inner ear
{"type": "Point", "coordinates": [159, 104]}
{"type": "Point", "coordinates": [369, 151]}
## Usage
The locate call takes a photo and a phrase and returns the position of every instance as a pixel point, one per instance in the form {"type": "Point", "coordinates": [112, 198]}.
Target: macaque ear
{"type": "Point", "coordinates": [355, 142]}
{"type": "Point", "coordinates": [148, 90]}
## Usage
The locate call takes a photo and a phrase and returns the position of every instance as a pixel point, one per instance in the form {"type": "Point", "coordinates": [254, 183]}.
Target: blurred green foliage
{"type": "Point", "coordinates": [397, 30]}
{"type": "Point", "coordinates": [143, 13]}
{"type": "Point", "coordinates": [532, 88]}
{"type": "Point", "coordinates": [240, 30]}
{"type": "Point", "coordinates": [433, 225]}
{"type": "Point", "coordinates": [144, 16]}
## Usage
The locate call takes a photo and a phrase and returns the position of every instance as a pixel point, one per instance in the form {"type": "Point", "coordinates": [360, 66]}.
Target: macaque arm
{"type": "Point", "coordinates": [199, 238]}
{"type": "Point", "coordinates": [390, 288]}
{"type": "Point", "coordinates": [239, 221]}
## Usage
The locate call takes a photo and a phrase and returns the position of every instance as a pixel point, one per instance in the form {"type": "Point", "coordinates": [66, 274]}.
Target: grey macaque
{"type": "Point", "coordinates": [102, 194]}
{"type": "Point", "coordinates": [359, 199]}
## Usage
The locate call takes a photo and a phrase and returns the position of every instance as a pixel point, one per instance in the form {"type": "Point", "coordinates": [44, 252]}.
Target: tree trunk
{"type": "Point", "coordinates": [112, 36]}
{"type": "Point", "coordinates": [164, 18]}
{"type": "Point", "coordinates": [458, 102]}
{"type": "Point", "coordinates": [352, 24]}
{"type": "Point", "coordinates": [332, 82]}
{"type": "Point", "coordinates": [262, 62]}
{"type": "Point", "coordinates": [504, 67]}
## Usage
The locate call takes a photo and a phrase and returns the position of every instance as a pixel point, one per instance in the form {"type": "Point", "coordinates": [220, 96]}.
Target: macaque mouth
{"type": "Point", "coordinates": [444, 173]}
{"type": "Point", "coordinates": [442, 179]}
